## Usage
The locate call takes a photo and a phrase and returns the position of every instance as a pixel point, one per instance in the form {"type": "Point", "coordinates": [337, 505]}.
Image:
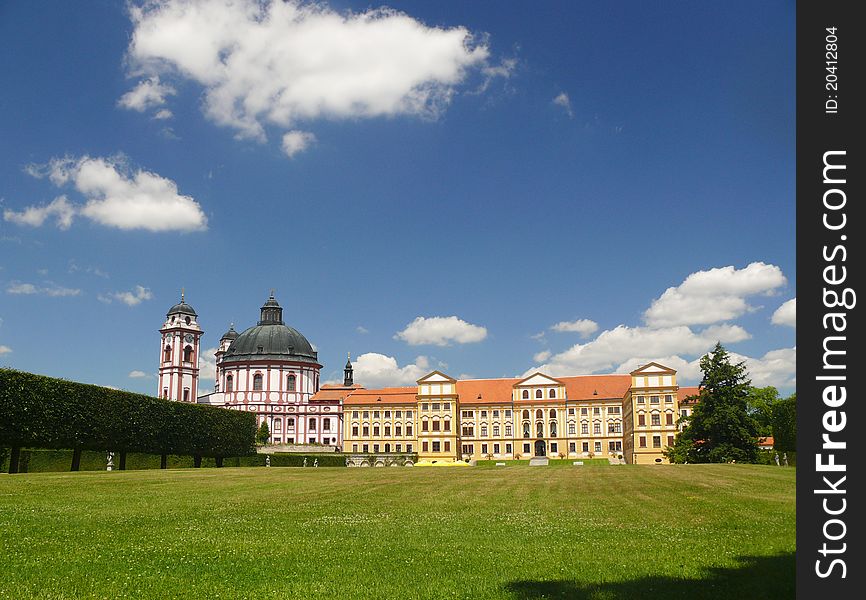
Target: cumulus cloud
{"type": "Point", "coordinates": [563, 101]}
{"type": "Point", "coordinates": [542, 356]}
{"type": "Point", "coordinates": [786, 314]}
{"type": "Point", "coordinates": [584, 327]}
{"type": "Point", "coordinates": [116, 196]}
{"type": "Point", "coordinates": [131, 298]}
{"type": "Point", "coordinates": [272, 63]}
{"type": "Point", "coordinates": [297, 141]}
{"type": "Point", "coordinates": [362, 330]}
{"type": "Point", "coordinates": [35, 216]}
{"type": "Point", "coordinates": [633, 345]}
{"type": "Point", "coordinates": [713, 296]}
{"type": "Point", "coordinates": [374, 370]}
{"type": "Point", "coordinates": [5, 349]}
{"type": "Point", "coordinates": [149, 93]}
{"type": "Point", "coordinates": [777, 367]}
{"type": "Point", "coordinates": [137, 375]}
{"type": "Point", "coordinates": [49, 289]}
{"type": "Point", "coordinates": [207, 364]}
{"type": "Point", "coordinates": [441, 331]}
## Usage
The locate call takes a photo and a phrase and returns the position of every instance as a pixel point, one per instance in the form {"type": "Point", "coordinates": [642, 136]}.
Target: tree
{"type": "Point", "coordinates": [720, 428]}
{"type": "Point", "coordinates": [263, 434]}
{"type": "Point", "coordinates": [761, 403]}
{"type": "Point", "coordinates": [784, 422]}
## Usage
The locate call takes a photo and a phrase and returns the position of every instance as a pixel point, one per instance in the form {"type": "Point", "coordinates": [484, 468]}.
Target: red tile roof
{"type": "Point", "coordinates": [398, 395]}
{"type": "Point", "coordinates": [685, 392]}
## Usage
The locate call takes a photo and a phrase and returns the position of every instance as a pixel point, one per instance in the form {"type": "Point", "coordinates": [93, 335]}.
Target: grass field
{"type": "Point", "coordinates": [622, 532]}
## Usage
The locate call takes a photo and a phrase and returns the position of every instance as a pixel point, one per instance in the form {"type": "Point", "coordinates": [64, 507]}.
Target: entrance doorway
{"type": "Point", "coordinates": [540, 448]}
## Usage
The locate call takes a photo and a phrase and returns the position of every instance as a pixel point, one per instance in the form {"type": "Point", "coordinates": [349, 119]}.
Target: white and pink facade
{"type": "Point", "coordinates": [178, 353]}
{"type": "Point", "coordinates": [272, 370]}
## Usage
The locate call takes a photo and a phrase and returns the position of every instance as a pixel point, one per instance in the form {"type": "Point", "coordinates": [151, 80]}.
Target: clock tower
{"type": "Point", "coordinates": [178, 353]}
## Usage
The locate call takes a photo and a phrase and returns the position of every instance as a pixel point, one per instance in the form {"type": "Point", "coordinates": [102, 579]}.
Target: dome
{"type": "Point", "coordinates": [181, 308]}
{"type": "Point", "coordinates": [273, 341]}
{"type": "Point", "coordinates": [231, 334]}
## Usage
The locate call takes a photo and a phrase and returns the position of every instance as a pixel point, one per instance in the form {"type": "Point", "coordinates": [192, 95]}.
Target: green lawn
{"type": "Point", "coordinates": [624, 532]}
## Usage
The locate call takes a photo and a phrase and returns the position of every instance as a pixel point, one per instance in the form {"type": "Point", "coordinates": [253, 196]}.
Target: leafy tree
{"type": "Point", "coordinates": [784, 422]}
{"type": "Point", "coordinates": [761, 403]}
{"type": "Point", "coordinates": [263, 434]}
{"type": "Point", "coordinates": [720, 428]}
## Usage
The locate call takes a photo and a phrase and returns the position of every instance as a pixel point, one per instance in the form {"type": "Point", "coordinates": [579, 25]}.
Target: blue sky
{"type": "Point", "coordinates": [473, 187]}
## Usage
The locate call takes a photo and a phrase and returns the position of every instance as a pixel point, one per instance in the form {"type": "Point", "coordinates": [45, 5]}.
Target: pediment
{"type": "Point", "coordinates": [436, 377]}
{"type": "Point", "coordinates": [653, 368]}
{"type": "Point", "coordinates": [537, 379]}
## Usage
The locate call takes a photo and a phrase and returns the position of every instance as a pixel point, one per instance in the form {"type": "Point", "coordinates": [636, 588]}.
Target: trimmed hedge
{"type": "Point", "coordinates": [44, 412]}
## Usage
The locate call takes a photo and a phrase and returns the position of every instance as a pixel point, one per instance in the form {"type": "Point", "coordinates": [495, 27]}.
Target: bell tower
{"type": "Point", "coordinates": [178, 353]}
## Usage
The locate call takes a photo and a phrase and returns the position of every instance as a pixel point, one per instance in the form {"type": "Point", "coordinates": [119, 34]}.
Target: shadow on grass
{"type": "Point", "coordinates": [756, 578]}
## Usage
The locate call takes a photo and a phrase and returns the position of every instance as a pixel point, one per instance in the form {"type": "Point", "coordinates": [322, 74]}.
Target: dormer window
{"type": "Point", "coordinates": [261, 349]}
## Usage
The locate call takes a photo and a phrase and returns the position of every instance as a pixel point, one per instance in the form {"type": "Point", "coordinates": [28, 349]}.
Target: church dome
{"type": "Point", "coordinates": [231, 334]}
{"type": "Point", "coordinates": [181, 308]}
{"type": "Point", "coordinates": [271, 339]}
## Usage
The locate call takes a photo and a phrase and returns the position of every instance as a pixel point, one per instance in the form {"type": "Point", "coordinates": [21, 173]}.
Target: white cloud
{"type": "Point", "coordinates": [638, 345]}
{"type": "Point", "coordinates": [542, 356]}
{"type": "Point", "coordinates": [279, 63]}
{"type": "Point", "coordinates": [116, 196]}
{"type": "Point", "coordinates": [162, 115]}
{"type": "Point", "coordinates": [297, 141]}
{"type": "Point", "coordinates": [149, 93]}
{"type": "Point", "coordinates": [786, 314]}
{"type": "Point", "coordinates": [5, 349]}
{"type": "Point", "coordinates": [207, 364]}
{"type": "Point", "coordinates": [137, 374]}
{"type": "Point", "coordinates": [713, 296]}
{"type": "Point", "coordinates": [441, 331]}
{"type": "Point", "coordinates": [35, 216]}
{"type": "Point", "coordinates": [362, 330]}
{"type": "Point", "coordinates": [50, 289]}
{"type": "Point", "coordinates": [584, 327]}
{"type": "Point", "coordinates": [777, 368]}
{"type": "Point", "coordinates": [374, 370]}
{"type": "Point", "coordinates": [564, 101]}
{"type": "Point", "coordinates": [131, 298]}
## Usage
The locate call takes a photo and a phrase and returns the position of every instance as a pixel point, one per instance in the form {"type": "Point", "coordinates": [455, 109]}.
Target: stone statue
{"type": "Point", "coordinates": [316, 462]}
{"type": "Point", "coordinates": [110, 460]}
{"type": "Point", "coordinates": [785, 458]}
{"type": "Point", "coordinates": [776, 458]}
{"type": "Point", "coordinates": [305, 462]}
{"type": "Point", "coordinates": [267, 460]}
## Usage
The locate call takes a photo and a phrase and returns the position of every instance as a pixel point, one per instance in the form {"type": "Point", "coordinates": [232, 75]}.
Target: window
{"type": "Point", "coordinates": [684, 413]}
{"type": "Point", "coordinates": [366, 431]}
{"type": "Point", "coordinates": [398, 414]}
{"type": "Point", "coordinates": [539, 429]}
{"type": "Point", "coordinates": [596, 428]}
{"type": "Point", "coordinates": [278, 425]}
{"type": "Point", "coordinates": [466, 414]}
{"type": "Point", "coordinates": [447, 446]}
{"type": "Point", "coordinates": [425, 425]}
{"type": "Point", "coordinates": [366, 448]}
{"type": "Point", "coordinates": [291, 423]}
{"type": "Point", "coordinates": [539, 414]}
{"type": "Point", "coordinates": [257, 382]}
{"type": "Point", "coordinates": [571, 429]}
{"type": "Point", "coordinates": [670, 440]}
{"type": "Point", "coordinates": [409, 448]}
{"type": "Point", "coordinates": [425, 407]}
{"type": "Point", "coordinates": [508, 448]}
{"type": "Point", "coordinates": [398, 430]}
{"type": "Point", "coordinates": [584, 428]}
{"type": "Point", "coordinates": [572, 447]}
{"type": "Point", "coordinates": [495, 430]}
{"type": "Point", "coordinates": [596, 410]}
{"type": "Point", "coordinates": [435, 406]}
{"type": "Point", "coordinates": [186, 394]}
{"type": "Point", "coordinates": [230, 383]}
{"type": "Point", "coordinates": [554, 447]}
{"type": "Point", "coordinates": [613, 410]}
{"type": "Point", "coordinates": [508, 414]}
{"type": "Point", "coordinates": [397, 447]}
{"type": "Point", "coordinates": [366, 414]}
{"type": "Point", "coordinates": [552, 393]}
{"type": "Point", "coordinates": [425, 447]}
{"type": "Point", "coordinates": [641, 420]}
{"type": "Point", "coordinates": [165, 392]}
{"type": "Point", "coordinates": [570, 412]}
{"type": "Point", "coordinates": [641, 400]}
{"type": "Point", "coordinates": [436, 425]}
{"type": "Point", "coordinates": [526, 448]}
{"type": "Point", "coordinates": [539, 394]}
{"type": "Point", "coordinates": [387, 414]}
{"type": "Point", "coordinates": [187, 354]}
{"type": "Point", "coordinates": [585, 446]}
{"type": "Point", "coordinates": [615, 427]}
{"type": "Point", "coordinates": [467, 449]}
{"type": "Point", "coordinates": [611, 446]}
{"type": "Point", "coordinates": [468, 431]}
{"type": "Point", "coordinates": [387, 448]}
{"type": "Point", "coordinates": [508, 430]}
{"type": "Point", "coordinates": [376, 448]}
{"type": "Point", "coordinates": [526, 432]}
{"type": "Point", "coordinates": [354, 431]}
{"type": "Point", "coordinates": [655, 419]}
{"type": "Point", "coordinates": [526, 394]}
{"type": "Point", "coordinates": [642, 441]}
{"type": "Point", "coordinates": [437, 446]}
{"type": "Point", "coordinates": [446, 425]}
{"type": "Point", "coordinates": [654, 399]}
{"type": "Point", "coordinates": [552, 413]}
{"type": "Point", "coordinates": [668, 398]}
{"type": "Point", "coordinates": [408, 414]}
{"type": "Point", "coordinates": [484, 430]}
{"type": "Point", "coordinates": [166, 355]}
{"type": "Point", "coordinates": [446, 406]}
{"type": "Point", "coordinates": [669, 418]}
{"type": "Point", "coordinates": [312, 440]}
{"type": "Point", "coordinates": [598, 447]}
{"type": "Point", "coordinates": [326, 424]}
{"type": "Point", "coordinates": [312, 426]}
{"type": "Point", "coordinates": [657, 441]}
{"type": "Point", "coordinates": [495, 414]}
{"type": "Point", "coordinates": [619, 446]}
{"type": "Point", "coordinates": [483, 448]}
{"type": "Point", "coordinates": [354, 414]}
{"type": "Point", "coordinates": [375, 431]}
{"type": "Point", "coordinates": [483, 414]}
{"type": "Point", "coordinates": [291, 382]}
{"type": "Point", "coordinates": [375, 414]}
{"type": "Point", "coordinates": [495, 448]}
{"type": "Point", "coordinates": [583, 411]}
{"type": "Point", "coordinates": [408, 430]}
{"type": "Point", "coordinates": [553, 429]}
{"type": "Point", "coordinates": [387, 431]}
{"type": "Point", "coordinates": [354, 447]}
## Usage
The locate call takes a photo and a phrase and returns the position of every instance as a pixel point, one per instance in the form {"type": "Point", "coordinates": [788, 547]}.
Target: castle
{"type": "Point", "coordinates": [272, 370]}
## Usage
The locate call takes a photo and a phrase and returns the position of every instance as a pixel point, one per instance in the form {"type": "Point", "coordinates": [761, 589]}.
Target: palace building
{"type": "Point", "coordinates": [272, 370]}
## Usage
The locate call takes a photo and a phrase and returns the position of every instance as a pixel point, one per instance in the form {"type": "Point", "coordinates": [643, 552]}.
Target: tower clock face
{"type": "Point", "coordinates": [188, 337]}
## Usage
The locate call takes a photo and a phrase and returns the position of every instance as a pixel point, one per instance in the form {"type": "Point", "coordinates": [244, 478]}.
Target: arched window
{"type": "Point", "coordinates": [230, 383]}
{"type": "Point", "coordinates": [187, 354]}
{"type": "Point", "coordinates": [539, 414]}
{"type": "Point", "coordinates": [553, 429]}
{"type": "Point", "coordinates": [525, 414]}
{"type": "Point", "coordinates": [539, 394]}
{"type": "Point", "coordinates": [166, 354]}
{"type": "Point", "coordinates": [290, 383]}
{"type": "Point", "coordinates": [526, 429]}
{"type": "Point", "coordinates": [539, 429]}
{"type": "Point", "coordinates": [526, 394]}
{"type": "Point", "coordinates": [552, 413]}
{"type": "Point", "coordinates": [257, 382]}
{"type": "Point", "coordinates": [552, 393]}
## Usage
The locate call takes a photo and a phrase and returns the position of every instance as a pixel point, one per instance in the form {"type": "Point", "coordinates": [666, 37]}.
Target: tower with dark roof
{"type": "Point", "coordinates": [348, 373]}
{"type": "Point", "coordinates": [179, 352]}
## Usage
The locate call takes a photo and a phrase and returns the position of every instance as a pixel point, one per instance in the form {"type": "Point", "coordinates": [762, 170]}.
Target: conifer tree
{"type": "Point", "coordinates": [263, 434]}
{"type": "Point", "coordinates": [720, 428]}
